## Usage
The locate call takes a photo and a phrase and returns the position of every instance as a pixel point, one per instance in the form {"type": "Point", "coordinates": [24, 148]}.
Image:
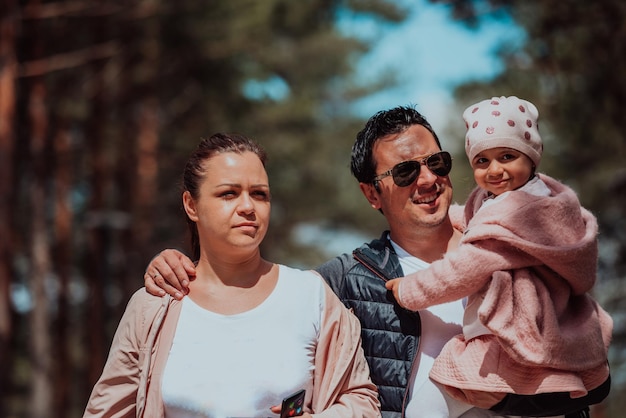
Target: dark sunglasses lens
{"type": "Point", "coordinates": [405, 173]}
{"type": "Point", "coordinates": [440, 163]}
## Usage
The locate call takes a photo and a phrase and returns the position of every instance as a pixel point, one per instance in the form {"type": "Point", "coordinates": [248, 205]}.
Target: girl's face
{"type": "Point", "coordinates": [233, 208]}
{"type": "Point", "coordinates": [500, 170]}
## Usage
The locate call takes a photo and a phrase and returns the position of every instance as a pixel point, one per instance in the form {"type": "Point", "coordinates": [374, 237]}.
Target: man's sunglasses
{"type": "Point", "coordinates": [405, 173]}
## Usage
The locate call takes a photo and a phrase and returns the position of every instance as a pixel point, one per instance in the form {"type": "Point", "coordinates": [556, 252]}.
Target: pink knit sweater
{"type": "Point", "coordinates": [527, 264]}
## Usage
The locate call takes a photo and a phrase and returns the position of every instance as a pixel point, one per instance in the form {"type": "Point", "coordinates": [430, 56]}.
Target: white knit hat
{"type": "Point", "coordinates": [503, 122]}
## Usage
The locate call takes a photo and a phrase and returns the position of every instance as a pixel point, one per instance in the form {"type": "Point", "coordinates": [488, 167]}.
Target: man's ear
{"type": "Point", "coordinates": [190, 206]}
{"type": "Point", "coordinates": [372, 194]}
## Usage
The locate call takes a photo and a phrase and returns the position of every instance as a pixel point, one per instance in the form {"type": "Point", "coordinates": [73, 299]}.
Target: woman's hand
{"type": "Point", "coordinates": [276, 409]}
{"type": "Point", "coordinates": [169, 272]}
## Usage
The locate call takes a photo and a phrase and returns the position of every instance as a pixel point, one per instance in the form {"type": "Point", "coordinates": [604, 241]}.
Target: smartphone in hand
{"type": "Point", "coordinates": [293, 405]}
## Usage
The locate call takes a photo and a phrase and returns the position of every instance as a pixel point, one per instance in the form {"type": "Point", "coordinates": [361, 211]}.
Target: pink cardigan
{"type": "Point", "coordinates": [130, 384]}
{"type": "Point", "coordinates": [527, 264]}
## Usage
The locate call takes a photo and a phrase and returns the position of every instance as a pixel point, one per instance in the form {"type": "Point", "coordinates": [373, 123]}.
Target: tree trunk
{"type": "Point", "coordinates": [41, 395]}
{"type": "Point", "coordinates": [8, 70]}
{"type": "Point", "coordinates": [63, 262]}
{"type": "Point", "coordinates": [147, 146]}
{"type": "Point", "coordinates": [96, 232]}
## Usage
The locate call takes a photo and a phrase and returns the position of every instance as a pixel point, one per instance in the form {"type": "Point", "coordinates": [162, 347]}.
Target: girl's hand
{"type": "Point", "coordinates": [394, 286]}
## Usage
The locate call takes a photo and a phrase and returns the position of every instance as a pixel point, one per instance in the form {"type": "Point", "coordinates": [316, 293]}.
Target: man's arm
{"type": "Point", "coordinates": [169, 272]}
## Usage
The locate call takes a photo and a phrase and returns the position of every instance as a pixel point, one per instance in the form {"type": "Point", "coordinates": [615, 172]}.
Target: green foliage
{"type": "Point", "coordinates": [128, 88]}
{"type": "Point", "coordinates": [211, 53]}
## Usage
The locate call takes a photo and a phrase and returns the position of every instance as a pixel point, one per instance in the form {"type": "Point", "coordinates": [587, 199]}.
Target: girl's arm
{"type": "Point", "coordinates": [459, 274]}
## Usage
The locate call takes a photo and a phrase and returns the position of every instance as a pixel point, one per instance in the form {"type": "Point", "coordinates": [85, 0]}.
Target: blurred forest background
{"type": "Point", "coordinates": [101, 103]}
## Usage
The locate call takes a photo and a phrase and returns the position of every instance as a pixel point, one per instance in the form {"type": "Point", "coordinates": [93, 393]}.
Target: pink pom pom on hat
{"type": "Point", "coordinates": [503, 122]}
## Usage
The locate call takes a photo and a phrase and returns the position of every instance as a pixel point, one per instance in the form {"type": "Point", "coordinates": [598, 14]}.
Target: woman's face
{"type": "Point", "coordinates": [233, 207]}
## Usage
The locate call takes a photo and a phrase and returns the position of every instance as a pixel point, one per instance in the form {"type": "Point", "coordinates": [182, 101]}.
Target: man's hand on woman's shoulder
{"type": "Point", "coordinates": [169, 272]}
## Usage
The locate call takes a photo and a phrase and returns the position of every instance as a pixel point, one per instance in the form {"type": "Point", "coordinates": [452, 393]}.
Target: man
{"type": "Point", "coordinates": [403, 173]}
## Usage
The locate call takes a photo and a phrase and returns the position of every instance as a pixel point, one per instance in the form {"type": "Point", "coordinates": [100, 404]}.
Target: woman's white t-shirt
{"type": "Point", "coordinates": [241, 365]}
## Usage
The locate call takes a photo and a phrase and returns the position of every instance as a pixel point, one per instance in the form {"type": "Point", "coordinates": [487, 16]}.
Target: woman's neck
{"type": "Point", "coordinates": [228, 287]}
{"type": "Point", "coordinates": [232, 272]}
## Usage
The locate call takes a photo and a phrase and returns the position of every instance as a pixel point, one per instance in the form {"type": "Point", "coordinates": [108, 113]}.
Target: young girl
{"type": "Point", "coordinates": [526, 262]}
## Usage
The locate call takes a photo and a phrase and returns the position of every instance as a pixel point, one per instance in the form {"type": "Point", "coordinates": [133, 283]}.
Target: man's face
{"type": "Point", "coordinates": [422, 204]}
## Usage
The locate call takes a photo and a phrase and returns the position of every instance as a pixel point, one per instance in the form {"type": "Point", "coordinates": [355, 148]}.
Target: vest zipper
{"type": "Point", "coordinates": [379, 273]}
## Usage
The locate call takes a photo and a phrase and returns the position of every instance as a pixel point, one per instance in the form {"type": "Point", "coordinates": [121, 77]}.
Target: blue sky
{"type": "Point", "coordinates": [431, 54]}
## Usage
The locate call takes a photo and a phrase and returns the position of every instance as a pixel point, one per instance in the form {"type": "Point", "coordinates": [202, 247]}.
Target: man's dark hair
{"type": "Point", "coordinates": [381, 124]}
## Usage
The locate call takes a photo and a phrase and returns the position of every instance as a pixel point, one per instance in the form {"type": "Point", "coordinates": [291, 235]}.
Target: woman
{"type": "Point", "coordinates": [250, 333]}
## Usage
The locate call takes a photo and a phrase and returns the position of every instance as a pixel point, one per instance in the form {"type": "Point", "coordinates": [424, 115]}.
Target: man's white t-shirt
{"type": "Point", "coordinates": [439, 324]}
